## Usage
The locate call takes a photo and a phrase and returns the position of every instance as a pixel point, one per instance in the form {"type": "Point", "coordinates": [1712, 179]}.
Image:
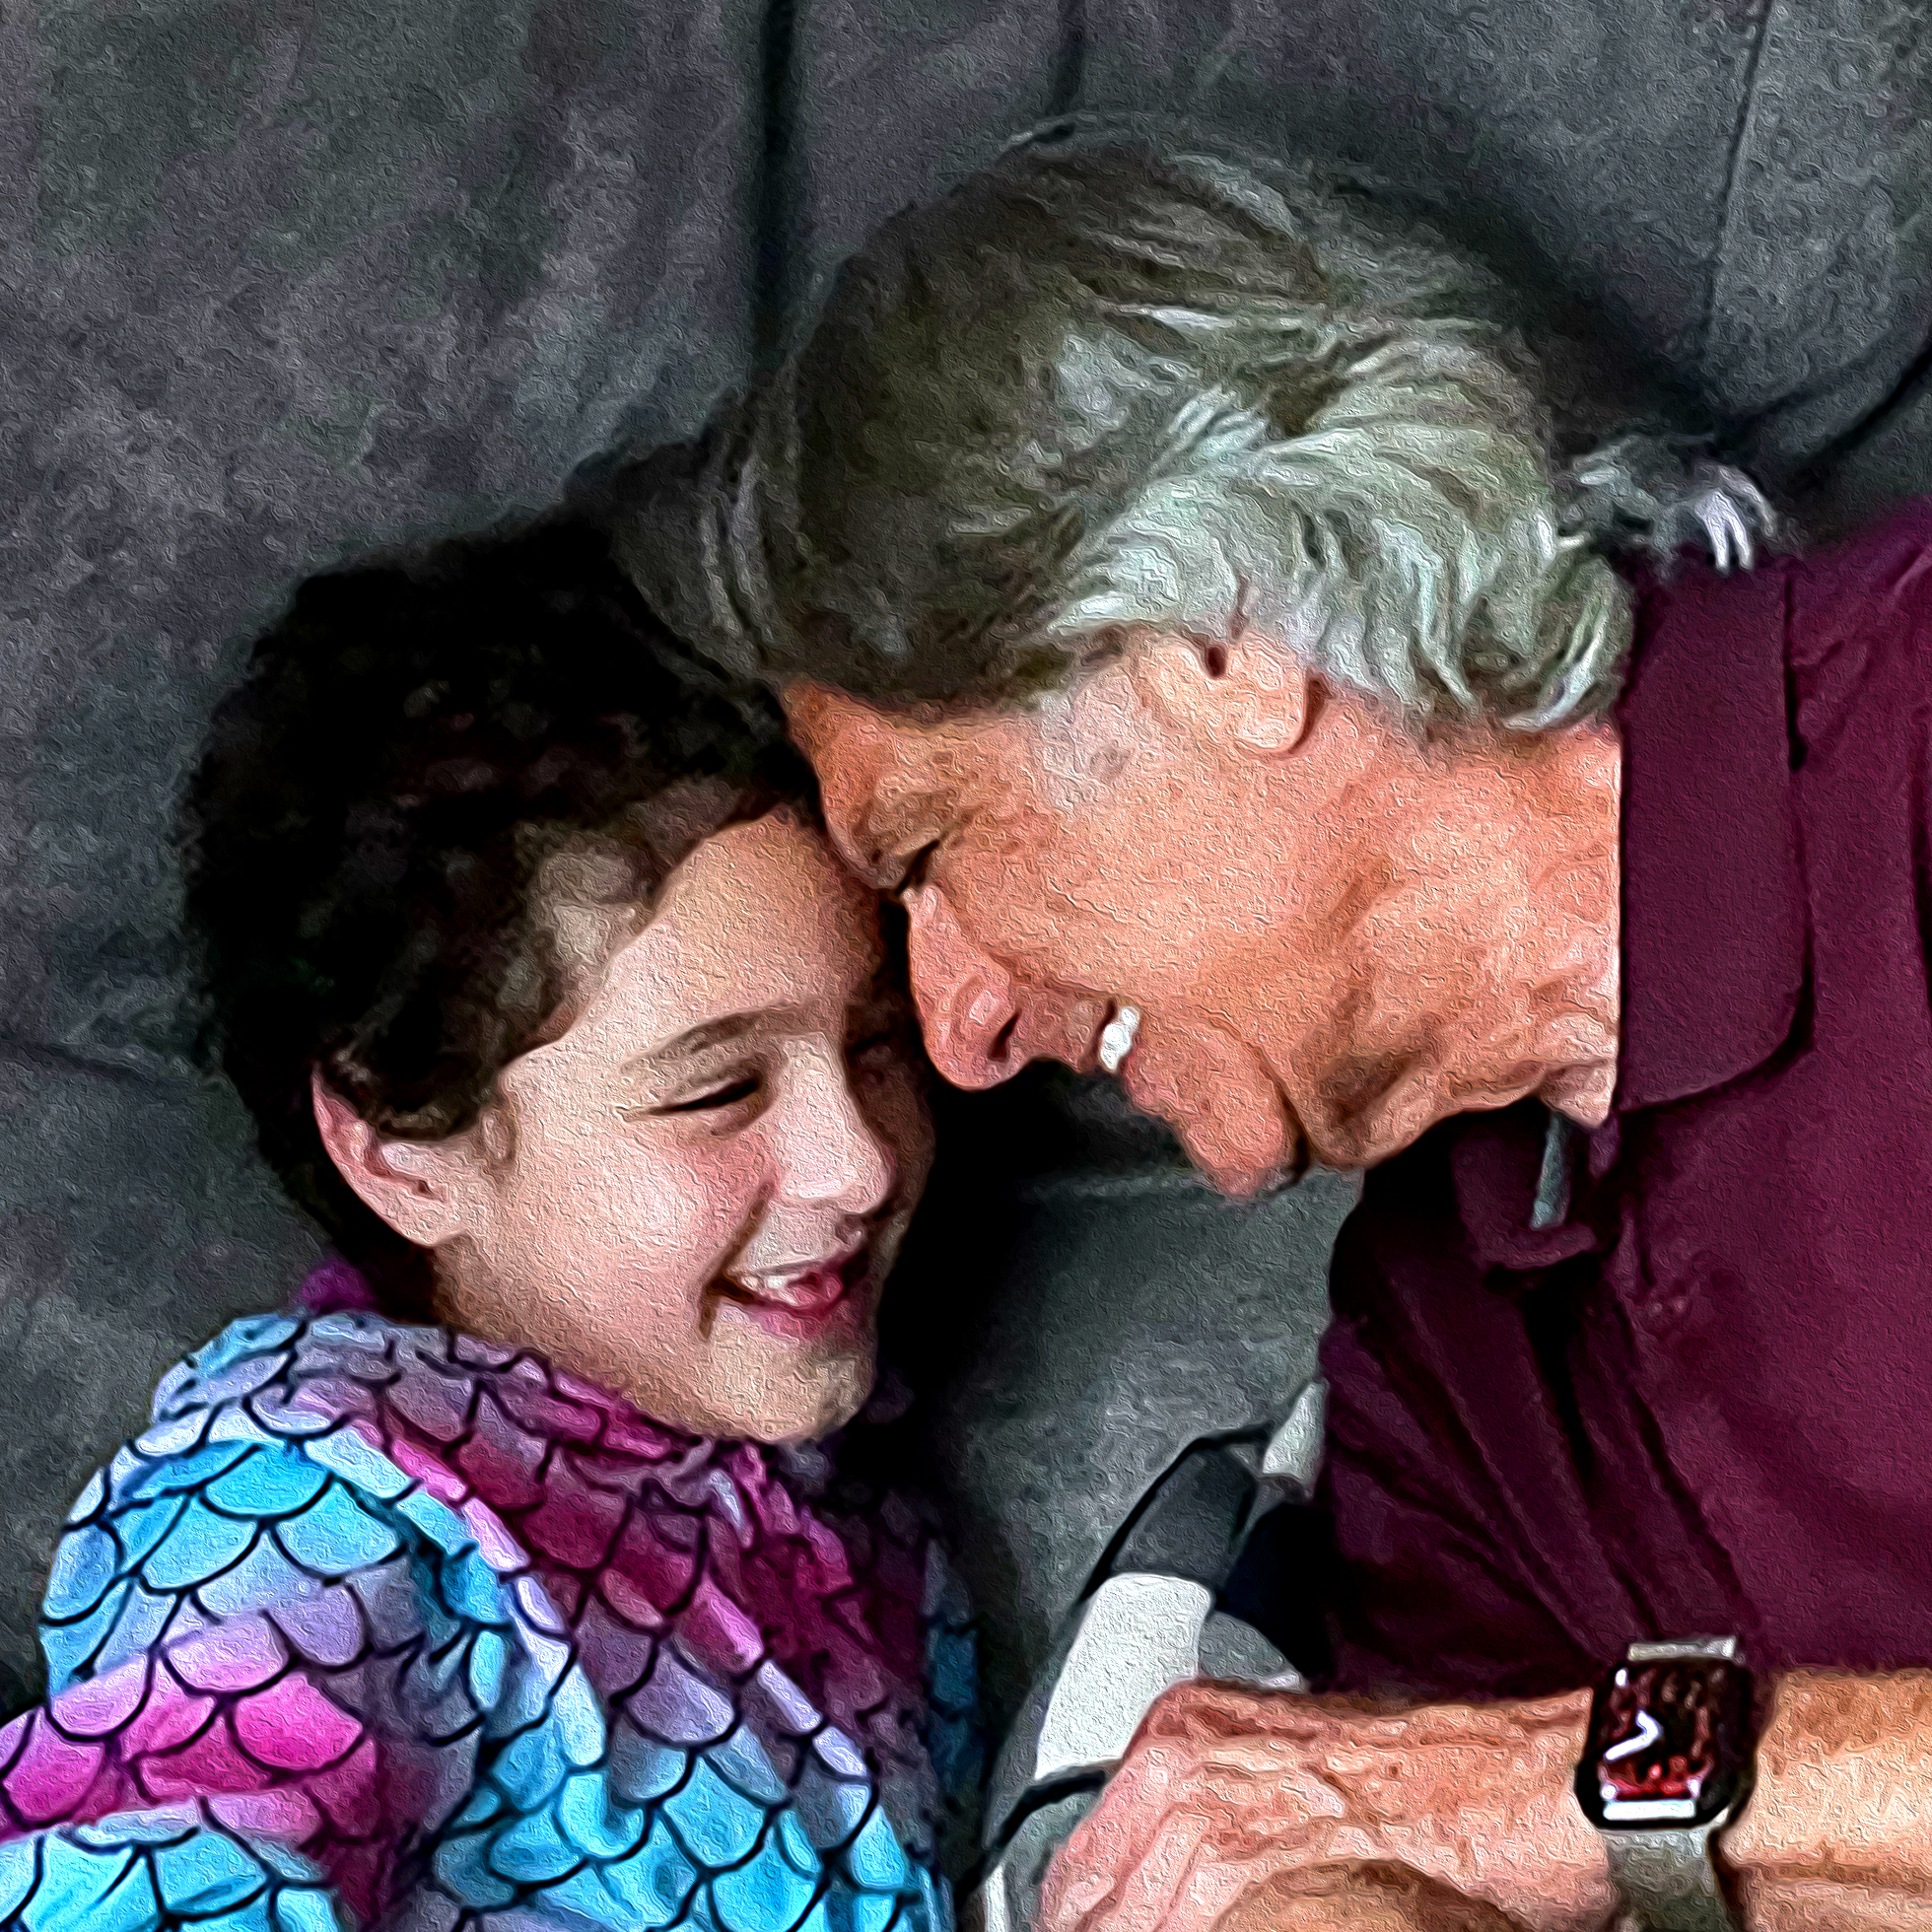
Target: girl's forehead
{"type": "Point", "coordinates": [761, 918]}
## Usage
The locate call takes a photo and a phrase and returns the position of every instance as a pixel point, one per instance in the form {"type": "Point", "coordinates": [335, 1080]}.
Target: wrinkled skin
{"type": "Point", "coordinates": [1235, 1806]}
{"type": "Point", "coordinates": [1334, 933]}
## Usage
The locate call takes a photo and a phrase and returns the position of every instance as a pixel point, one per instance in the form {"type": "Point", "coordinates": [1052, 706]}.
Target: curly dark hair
{"type": "Point", "coordinates": [413, 747]}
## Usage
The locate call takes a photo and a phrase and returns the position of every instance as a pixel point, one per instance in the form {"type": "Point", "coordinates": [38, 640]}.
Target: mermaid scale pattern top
{"type": "Point", "coordinates": [380, 1625]}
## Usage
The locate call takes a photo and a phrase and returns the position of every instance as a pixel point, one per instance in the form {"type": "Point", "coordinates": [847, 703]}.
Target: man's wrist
{"type": "Point", "coordinates": [1811, 1733]}
{"type": "Point", "coordinates": [1667, 1762]}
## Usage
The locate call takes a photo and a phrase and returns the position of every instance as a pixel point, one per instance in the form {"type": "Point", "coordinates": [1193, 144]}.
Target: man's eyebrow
{"type": "Point", "coordinates": [893, 825]}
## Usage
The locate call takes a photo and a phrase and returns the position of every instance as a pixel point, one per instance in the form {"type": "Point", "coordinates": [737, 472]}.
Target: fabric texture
{"type": "Point", "coordinates": [381, 1623]}
{"type": "Point", "coordinates": [1698, 1399]}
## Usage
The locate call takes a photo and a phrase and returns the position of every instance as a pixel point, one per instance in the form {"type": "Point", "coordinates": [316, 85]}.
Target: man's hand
{"type": "Point", "coordinates": [1248, 1809]}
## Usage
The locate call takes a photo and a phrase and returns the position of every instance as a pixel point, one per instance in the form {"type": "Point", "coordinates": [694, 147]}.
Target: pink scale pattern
{"type": "Point", "coordinates": [381, 1624]}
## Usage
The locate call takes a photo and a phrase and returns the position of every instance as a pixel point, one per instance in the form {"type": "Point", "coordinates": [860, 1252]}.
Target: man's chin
{"type": "Point", "coordinates": [1227, 1114]}
{"type": "Point", "coordinates": [1238, 1176]}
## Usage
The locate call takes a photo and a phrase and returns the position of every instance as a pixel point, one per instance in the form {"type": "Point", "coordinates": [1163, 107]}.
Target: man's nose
{"type": "Point", "coordinates": [970, 1006]}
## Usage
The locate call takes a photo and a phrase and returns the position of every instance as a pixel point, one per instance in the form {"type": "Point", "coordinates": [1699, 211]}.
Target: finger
{"type": "Point", "coordinates": [1741, 529]}
{"type": "Point", "coordinates": [1106, 1845]}
{"type": "Point", "coordinates": [1263, 1784]}
{"type": "Point", "coordinates": [1342, 1898]}
{"type": "Point", "coordinates": [1221, 1710]}
{"type": "Point", "coordinates": [1131, 1898]}
{"type": "Point", "coordinates": [1343, 1808]}
{"type": "Point", "coordinates": [1205, 1708]}
{"type": "Point", "coordinates": [1306, 1815]}
{"type": "Point", "coordinates": [1737, 533]}
{"type": "Point", "coordinates": [1167, 1758]}
{"type": "Point", "coordinates": [1211, 1708]}
{"type": "Point", "coordinates": [1132, 1881]}
{"type": "Point", "coordinates": [1190, 1743]}
{"type": "Point", "coordinates": [1223, 1880]}
{"type": "Point", "coordinates": [1513, 1859]}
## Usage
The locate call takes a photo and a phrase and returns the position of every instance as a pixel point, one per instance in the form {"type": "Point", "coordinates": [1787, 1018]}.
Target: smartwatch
{"type": "Point", "coordinates": [1666, 1766]}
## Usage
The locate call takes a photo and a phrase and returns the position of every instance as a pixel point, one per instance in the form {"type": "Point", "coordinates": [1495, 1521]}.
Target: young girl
{"type": "Point", "coordinates": [496, 1581]}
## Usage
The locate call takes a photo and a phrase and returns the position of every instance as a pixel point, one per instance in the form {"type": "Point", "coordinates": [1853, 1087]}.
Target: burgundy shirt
{"type": "Point", "coordinates": [1700, 1401]}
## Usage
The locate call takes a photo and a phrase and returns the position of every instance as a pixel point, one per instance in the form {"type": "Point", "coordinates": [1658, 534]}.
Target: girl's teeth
{"type": "Point", "coordinates": [802, 1288]}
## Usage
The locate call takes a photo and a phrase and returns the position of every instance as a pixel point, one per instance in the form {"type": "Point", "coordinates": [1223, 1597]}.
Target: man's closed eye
{"type": "Point", "coordinates": [914, 874]}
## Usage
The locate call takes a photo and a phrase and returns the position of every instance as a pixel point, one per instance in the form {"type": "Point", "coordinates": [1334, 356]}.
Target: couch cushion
{"type": "Point", "coordinates": [1739, 186]}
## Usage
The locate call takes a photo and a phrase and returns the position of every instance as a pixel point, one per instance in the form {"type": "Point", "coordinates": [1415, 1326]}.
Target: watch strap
{"type": "Point", "coordinates": [1669, 1879]}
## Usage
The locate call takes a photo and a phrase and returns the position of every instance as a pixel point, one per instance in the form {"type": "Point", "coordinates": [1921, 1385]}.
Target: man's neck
{"type": "Point", "coordinates": [1537, 879]}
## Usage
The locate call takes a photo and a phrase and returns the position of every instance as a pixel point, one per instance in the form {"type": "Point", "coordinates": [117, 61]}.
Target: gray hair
{"type": "Point", "coordinates": [1117, 383]}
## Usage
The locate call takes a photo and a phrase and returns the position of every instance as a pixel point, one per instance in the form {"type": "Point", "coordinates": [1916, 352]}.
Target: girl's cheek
{"type": "Point", "coordinates": [610, 1208]}
{"type": "Point", "coordinates": [720, 1190]}
{"type": "Point", "coordinates": [627, 1220]}
{"type": "Point", "coordinates": [895, 1104]}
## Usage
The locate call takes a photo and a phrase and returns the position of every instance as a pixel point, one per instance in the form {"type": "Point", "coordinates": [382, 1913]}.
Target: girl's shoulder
{"type": "Point", "coordinates": [435, 1530]}
{"type": "Point", "coordinates": [254, 1493]}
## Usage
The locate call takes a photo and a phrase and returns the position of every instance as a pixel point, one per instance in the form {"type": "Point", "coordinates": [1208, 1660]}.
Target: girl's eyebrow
{"type": "Point", "coordinates": [715, 1033]}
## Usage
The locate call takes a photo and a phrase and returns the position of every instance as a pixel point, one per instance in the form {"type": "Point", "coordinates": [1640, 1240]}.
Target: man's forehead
{"type": "Point", "coordinates": [896, 754]}
{"type": "Point", "coordinates": [1060, 748]}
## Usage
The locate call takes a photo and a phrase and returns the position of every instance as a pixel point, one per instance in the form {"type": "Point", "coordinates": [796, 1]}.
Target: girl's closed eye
{"type": "Point", "coordinates": [710, 1090]}
{"type": "Point", "coordinates": [743, 1087]}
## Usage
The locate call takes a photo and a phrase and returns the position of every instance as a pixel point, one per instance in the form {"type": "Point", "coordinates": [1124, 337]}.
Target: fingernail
{"type": "Point", "coordinates": [1088, 1893]}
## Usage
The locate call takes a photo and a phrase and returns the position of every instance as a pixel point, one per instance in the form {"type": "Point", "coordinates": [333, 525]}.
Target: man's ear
{"type": "Point", "coordinates": [422, 1189]}
{"type": "Point", "coordinates": [1250, 695]}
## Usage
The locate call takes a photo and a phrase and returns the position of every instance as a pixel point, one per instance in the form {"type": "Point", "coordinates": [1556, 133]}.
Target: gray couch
{"type": "Point", "coordinates": [282, 277]}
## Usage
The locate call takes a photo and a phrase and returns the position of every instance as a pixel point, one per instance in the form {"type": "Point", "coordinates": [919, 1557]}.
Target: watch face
{"type": "Point", "coordinates": [1668, 1744]}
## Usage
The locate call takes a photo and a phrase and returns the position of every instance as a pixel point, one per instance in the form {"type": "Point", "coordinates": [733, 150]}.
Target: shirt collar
{"type": "Point", "coordinates": [1714, 926]}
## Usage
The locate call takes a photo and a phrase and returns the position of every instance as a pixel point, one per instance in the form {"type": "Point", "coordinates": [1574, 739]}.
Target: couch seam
{"type": "Point", "coordinates": [1741, 136]}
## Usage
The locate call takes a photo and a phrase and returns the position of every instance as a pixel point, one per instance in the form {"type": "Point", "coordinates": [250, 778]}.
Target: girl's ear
{"type": "Point", "coordinates": [424, 1189]}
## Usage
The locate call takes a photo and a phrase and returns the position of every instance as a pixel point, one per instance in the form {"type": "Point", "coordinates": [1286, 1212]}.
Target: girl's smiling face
{"type": "Point", "coordinates": [693, 1196]}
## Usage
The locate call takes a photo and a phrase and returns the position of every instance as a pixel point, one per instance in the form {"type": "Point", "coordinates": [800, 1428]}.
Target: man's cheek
{"type": "Point", "coordinates": [1003, 899]}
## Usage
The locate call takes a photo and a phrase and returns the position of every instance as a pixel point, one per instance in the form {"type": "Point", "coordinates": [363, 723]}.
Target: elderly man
{"type": "Point", "coordinates": [1185, 582]}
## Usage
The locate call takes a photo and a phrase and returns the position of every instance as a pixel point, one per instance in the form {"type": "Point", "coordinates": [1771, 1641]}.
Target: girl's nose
{"type": "Point", "coordinates": [833, 1156]}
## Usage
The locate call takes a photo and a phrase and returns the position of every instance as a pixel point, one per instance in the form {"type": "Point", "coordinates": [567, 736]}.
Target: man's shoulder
{"type": "Point", "coordinates": [1860, 615]}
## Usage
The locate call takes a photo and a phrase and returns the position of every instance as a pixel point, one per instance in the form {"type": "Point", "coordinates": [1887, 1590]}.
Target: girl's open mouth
{"type": "Point", "coordinates": [799, 1303]}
